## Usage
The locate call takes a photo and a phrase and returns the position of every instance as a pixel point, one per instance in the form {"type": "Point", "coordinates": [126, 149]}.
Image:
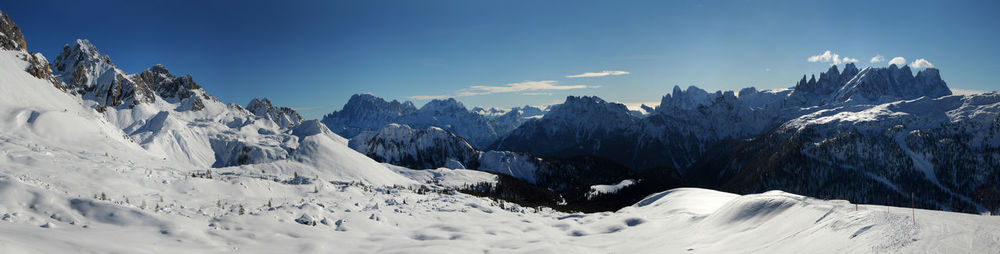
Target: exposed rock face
{"type": "Point", "coordinates": [169, 87]}
{"type": "Point", "coordinates": [892, 84]}
{"type": "Point", "coordinates": [93, 76]}
{"type": "Point", "coordinates": [38, 66]}
{"type": "Point", "coordinates": [11, 37]}
{"type": "Point", "coordinates": [399, 144]}
{"type": "Point", "coordinates": [282, 116]}
{"type": "Point", "coordinates": [365, 112]}
{"type": "Point", "coordinates": [88, 73]}
{"type": "Point", "coordinates": [435, 147]}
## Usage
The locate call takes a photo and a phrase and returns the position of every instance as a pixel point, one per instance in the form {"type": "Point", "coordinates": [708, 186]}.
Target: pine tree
{"type": "Point", "coordinates": [104, 196]}
{"type": "Point", "coordinates": [241, 209]}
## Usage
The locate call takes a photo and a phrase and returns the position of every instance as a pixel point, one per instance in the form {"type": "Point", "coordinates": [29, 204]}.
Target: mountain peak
{"type": "Point", "coordinates": [158, 69]}
{"type": "Point", "coordinates": [282, 116]}
{"type": "Point", "coordinates": [444, 105]}
{"type": "Point", "coordinates": [259, 106]}
{"type": "Point", "coordinates": [11, 37]}
{"type": "Point", "coordinates": [849, 67]}
{"type": "Point", "coordinates": [365, 102]}
{"type": "Point", "coordinates": [893, 83]}
{"type": "Point", "coordinates": [685, 99]}
{"type": "Point", "coordinates": [80, 54]}
{"type": "Point", "coordinates": [832, 71]}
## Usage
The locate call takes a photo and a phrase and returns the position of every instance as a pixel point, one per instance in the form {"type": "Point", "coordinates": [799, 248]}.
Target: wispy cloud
{"type": "Point", "coordinates": [921, 63]}
{"type": "Point", "coordinates": [965, 92]}
{"type": "Point", "coordinates": [428, 97]}
{"type": "Point", "coordinates": [828, 56]}
{"type": "Point", "coordinates": [598, 74]}
{"type": "Point", "coordinates": [877, 58]}
{"type": "Point", "coordinates": [525, 88]}
{"type": "Point", "coordinates": [898, 61]}
{"type": "Point", "coordinates": [544, 85]}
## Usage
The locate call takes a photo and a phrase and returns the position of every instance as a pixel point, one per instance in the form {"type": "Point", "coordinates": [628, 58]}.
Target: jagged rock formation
{"type": "Point", "coordinates": [365, 112]}
{"type": "Point", "coordinates": [94, 77]}
{"type": "Point", "coordinates": [170, 116]}
{"type": "Point", "coordinates": [11, 37]}
{"type": "Point", "coordinates": [435, 147]}
{"type": "Point", "coordinates": [283, 116]}
{"type": "Point", "coordinates": [884, 129]}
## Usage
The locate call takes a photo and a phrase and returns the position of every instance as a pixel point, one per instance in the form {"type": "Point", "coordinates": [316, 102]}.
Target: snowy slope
{"type": "Point", "coordinates": [76, 179]}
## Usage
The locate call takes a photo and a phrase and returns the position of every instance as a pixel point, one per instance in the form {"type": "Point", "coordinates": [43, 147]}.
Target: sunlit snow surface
{"type": "Point", "coordinates": [58, 158]}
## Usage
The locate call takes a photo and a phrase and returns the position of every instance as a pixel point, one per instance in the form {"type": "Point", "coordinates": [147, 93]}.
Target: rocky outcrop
{"type": "Point", "coordinates": [365, 112]}
{"type": "Point", "coordinates": [880, 85]}
{"type": "Point", "coordinates": [93, 76]}
{"type": "Point", "coordinates": [282, 116]}
{"type": "Point", "coordinates": [11, 37]}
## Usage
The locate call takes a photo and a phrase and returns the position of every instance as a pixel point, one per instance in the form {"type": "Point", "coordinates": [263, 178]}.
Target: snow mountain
{"type": "Point", "coordinates": [365, 112]}
{"type": "Point", "coordinates": [435, 147]}
{"type": "Point", "coordinates": [107, 160]}
{"type": "Point", "coordinates": [283, 116]}
{"type": "Point", "coordinates": [884, 128]}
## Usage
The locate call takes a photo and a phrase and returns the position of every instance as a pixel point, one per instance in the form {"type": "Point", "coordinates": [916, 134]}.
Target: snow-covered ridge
{"type": "Point", "coordinates": [602, 189]}
{"type": "Point", "coordinates": [905, 132]}
{"type": "Point", "coordinates": [169, 116]}
{"type": "Point", "coordinates": [435, 147]}
{"type": "Point", "coordinates": [365, 112]}
{"type": "Point", "coordinates": [283, 116]}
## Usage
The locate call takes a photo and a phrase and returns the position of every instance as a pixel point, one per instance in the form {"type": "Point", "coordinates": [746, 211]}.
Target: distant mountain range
{"type": "Point", "coordinates": [855, 134]}
{"type": "Point", "coordinates": [481, 127]}
{"type": "Point", "coordinates": [847, 134]}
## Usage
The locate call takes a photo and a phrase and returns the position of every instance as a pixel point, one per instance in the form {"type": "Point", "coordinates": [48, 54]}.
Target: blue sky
{"type": "Point", "coordinates": [312, 55]}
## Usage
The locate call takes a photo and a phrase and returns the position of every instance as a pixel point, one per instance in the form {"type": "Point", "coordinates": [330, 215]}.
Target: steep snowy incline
{"type": "Point", "coordinates": [34, 111]}
{"type": "Point", "coordinates": [172, 116]}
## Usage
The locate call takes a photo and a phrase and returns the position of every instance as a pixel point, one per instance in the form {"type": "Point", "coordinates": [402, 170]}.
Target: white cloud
{"type": "Point", "coordinates": [921, 63]}
{"type": "Point", "coordinates": [598, 74]}
{"type": "Point", "coordinates": [828, 57]}
{"type": "Point", "coordinates": [526, 88]}
{"type": "Point", "coordinates": [898, 61]}
{"type": "Point", "coordinates": [877, 58]}
{"type": "Point", "coordinates": [428, 97]}
{"type": "Point", "coordinates": [544, 85]}
{"type": "Point", "coordinates": [965, 92]}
